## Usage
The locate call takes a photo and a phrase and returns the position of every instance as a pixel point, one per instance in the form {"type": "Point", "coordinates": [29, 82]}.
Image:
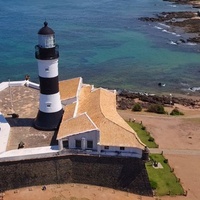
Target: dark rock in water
{"type": "Point", "coordinates": [161, 84]}
{"type": "Point", "coordinates": [196, 5]}
{"type": "Point", "coordinates": [151, 19]}
{"type": "Point", "coordinates": [182, 40]}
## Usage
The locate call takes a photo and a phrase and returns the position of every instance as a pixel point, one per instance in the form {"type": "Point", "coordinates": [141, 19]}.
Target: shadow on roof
{"type": "Point", "coordinates": [20, 122]}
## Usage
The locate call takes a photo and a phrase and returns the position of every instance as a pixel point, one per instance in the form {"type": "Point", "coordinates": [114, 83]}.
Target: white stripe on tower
{"type": "Point", "coordinates": [50, 107]}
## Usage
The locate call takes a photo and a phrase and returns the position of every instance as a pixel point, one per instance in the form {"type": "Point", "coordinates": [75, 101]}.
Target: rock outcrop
{"type": "Point", "coordinates": [187, 20]}
{"type": "Point", "coordinates": [126, 100]}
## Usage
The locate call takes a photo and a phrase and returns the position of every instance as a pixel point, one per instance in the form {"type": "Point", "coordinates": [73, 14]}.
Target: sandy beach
{"type": "Point", "coordinates": [177, 136]}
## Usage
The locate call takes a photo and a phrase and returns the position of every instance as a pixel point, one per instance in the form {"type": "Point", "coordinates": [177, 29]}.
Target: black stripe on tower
{"type": "Point", "coordinates": [46, 53]}
{"type": "Point", "coordinates": [49, 85]}
{"type": "Point", "coordinates": [48, 121]}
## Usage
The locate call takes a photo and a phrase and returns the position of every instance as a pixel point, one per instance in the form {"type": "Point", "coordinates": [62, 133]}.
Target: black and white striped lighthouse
{"type": "Point", "coordinates": [47, 54]}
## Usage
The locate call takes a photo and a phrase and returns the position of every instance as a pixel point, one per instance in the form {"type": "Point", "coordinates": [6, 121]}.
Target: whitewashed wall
{"type": "Point", "coordinates": [115, 151]}
{"type": "Point", "coordinates": [90, 135]}
{"type": "Point", "coordinates": [4, 133]}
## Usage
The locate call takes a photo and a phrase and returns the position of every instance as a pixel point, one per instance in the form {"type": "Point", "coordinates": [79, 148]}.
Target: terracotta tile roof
{"type": "Point", "coordinates": [68, 88]}
{"type": "Point", "coordinates": [100, 105]}
{"type": "Point", "coordinates": [69, 111]}
{"type": "Point", "coordinates": [79, 124]}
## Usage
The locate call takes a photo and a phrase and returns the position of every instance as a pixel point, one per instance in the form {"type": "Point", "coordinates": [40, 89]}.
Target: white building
{"type": "Point", "coordinates": [91, 122]}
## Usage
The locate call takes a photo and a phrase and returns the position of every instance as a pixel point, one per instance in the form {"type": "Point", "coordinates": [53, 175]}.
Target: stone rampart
{"type": "Point", "coordinates": [128, 174]}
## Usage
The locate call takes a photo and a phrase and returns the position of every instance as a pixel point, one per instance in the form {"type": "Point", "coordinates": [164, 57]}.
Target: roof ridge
{"type": "Point", "coordinates": [111, 120]}
{"type": "Point", "coordinates": [71, 79]}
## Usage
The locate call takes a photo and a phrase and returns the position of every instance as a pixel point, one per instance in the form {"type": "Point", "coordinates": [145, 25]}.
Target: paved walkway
{"type": "Point", "coordinates": [29, 153]}
{"type": "Point", "coordinates": [175, 151]}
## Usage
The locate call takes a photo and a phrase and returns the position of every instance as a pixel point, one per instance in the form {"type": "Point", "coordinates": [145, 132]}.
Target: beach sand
{"type": "Point", "coordinates": [170, 132]}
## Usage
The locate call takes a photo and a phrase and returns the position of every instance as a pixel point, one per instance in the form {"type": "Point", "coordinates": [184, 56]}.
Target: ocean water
{"type": "Point", "coordinates": [101, 41]}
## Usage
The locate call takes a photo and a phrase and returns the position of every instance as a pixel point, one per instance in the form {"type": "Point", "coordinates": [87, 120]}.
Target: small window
{"type": "Point", "coordinates": [90, 144]}
{"type": "Point", "coordinates": [106, 147]}
{"type": "Point", "coordinates": [122, 148]}
{"type": "Point", "coordinates": [78, 144]}
{"type": "Point", "coordinates": [66, 144]}
{"type": "Point", "coordinates": [48, 105]}
{"type": "Point", "coordinates": [47, 69]}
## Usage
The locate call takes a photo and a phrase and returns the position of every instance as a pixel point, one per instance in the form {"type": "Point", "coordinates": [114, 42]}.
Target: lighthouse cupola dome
{"type": "Point", "coordinates": [46, 37]}
{"type": "Point", "coordinates": [45, 30]}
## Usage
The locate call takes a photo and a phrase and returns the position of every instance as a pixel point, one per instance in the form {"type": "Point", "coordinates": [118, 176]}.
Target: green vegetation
{"type": "Point", "coordinates": [156, 108]}
{"type": "Point", "coordinates": [143, 134]}
{"type": "Point", "coordinates": [176, 111]}
{"type": "Point", "coordinates": [137, 107]}
{"type": "Point", "coordinates": [163, 180]}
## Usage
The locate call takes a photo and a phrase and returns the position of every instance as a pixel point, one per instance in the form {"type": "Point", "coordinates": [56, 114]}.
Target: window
{"type": "Point", "coordinates": [106, 147]}
{"type": "Point", "coordinates": [90, 144]}
{"type": "Point", "coordinates": [46, 69]}
{"type": "Point", "coordinates": [66, 144]}
{"type": "Point", "coordinates": [48, 105]}
{"type": "Point", "coordinates": [122, 148]}
{"type": "Point", "coordinates": [78, 144]}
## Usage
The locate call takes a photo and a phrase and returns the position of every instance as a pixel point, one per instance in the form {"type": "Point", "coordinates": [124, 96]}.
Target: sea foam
{"type": "Point", "coordinates": [157, 27]}
{"type": "Point", "coordinates": [173, 43]}
{"type": "Point", "coordinates": [193, 89]}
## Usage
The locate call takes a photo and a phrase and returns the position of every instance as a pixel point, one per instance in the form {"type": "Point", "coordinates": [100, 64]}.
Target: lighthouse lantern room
{"type": "Point", "coordinates": [47, 54]}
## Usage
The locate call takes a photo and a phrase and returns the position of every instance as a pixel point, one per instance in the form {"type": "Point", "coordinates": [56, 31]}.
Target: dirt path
{"type": "Point", "coordinates": [189, 152]}
{"type": "Point", "coordinates": [71, 192]}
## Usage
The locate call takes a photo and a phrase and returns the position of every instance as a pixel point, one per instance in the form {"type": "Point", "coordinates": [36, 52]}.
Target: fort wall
{"type": "Point", "coordinates": [128, 174]}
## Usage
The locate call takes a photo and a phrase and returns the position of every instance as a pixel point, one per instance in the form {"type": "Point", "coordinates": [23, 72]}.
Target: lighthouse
{"type": "Point", "coordinates": [47, 54]}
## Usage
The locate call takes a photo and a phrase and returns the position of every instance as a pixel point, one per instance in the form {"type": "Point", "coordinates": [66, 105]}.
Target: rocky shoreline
{"type": "Point", "coordinates": [187, 20]}
{"type": "Point", "coordinates": [194, 3]}
{"type": "Point", "coordinates": [127, 99]}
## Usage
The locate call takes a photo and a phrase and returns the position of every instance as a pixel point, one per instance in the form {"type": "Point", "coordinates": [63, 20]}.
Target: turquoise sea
{"type": "Point", "coordinates": [102, 41]}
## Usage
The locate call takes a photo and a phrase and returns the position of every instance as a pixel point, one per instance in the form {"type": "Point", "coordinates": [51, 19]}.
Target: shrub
{"type": "Point", "coordinates": [156, 108]}
{"type": "Point", "coordinates": [165, 161]}
{"type": "Point", "coordinates": [137, 107]}
{"type": "Point", "coordinates": [175, 111]}
{"type": "Point", "coordinates": [143, 128]}
{"type": "Point", "coordinates": [154, 185]}
{"type": "Point", "coordinates": [151, 139]}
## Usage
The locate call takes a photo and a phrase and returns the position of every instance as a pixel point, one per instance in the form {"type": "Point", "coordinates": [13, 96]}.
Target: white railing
{"type": "Point", "coordinates": [27, 83]}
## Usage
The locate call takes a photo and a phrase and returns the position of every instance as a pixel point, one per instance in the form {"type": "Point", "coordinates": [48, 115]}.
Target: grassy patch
{"type": "Point", "coordinates": [163, 180]}
{"type": "Point", "coordinates": [143, 134]}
